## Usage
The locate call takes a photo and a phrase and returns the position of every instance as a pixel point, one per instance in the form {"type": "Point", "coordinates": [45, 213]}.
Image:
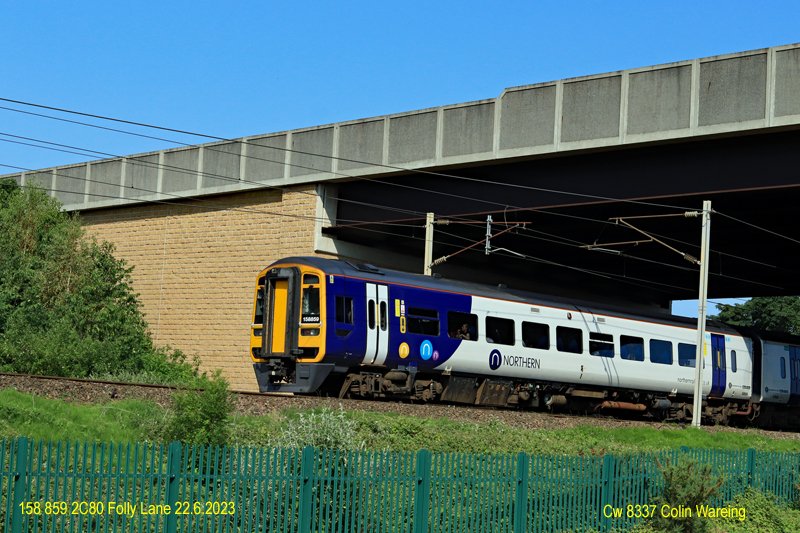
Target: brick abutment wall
{"type": "Point", "coordinates": [195, 266]}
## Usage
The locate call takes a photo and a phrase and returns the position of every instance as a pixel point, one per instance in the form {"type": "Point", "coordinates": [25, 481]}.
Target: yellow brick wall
{"type": "Point", "coordinates": [195, 266]}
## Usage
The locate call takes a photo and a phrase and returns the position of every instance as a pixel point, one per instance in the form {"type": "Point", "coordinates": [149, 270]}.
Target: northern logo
{"type": "Point", "coordinates": [495, 359]}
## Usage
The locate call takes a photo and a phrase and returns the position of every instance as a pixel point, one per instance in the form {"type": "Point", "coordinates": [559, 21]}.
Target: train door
{"type": "Point", "coordinates": [794, 374]}
{"type": "Point", "coordinates": [377, 324]}
{"type": "Point", "coordinates": [279, 313]}
{"type": "Point", "coordinates": [718, 366]}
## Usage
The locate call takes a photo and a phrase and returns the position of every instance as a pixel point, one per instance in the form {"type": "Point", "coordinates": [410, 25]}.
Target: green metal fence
{"type": "Point", "coordinates": [78, 487]}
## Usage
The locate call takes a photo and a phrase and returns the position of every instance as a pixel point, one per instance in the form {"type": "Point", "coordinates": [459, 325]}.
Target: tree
{"type": "Point", "coordinates": [770, 314]}
{"type": "Point", "coordinates": [67, 306]}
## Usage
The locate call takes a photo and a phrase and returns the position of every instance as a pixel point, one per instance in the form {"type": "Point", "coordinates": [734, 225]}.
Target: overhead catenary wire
{"type": "Point", "coordinates": [611, 276]}
{"type": "Point", "coordinates": [182, 170]}
{"type": "Point", "coordinates": [199, 203]}
{"type": "Point", "coordinates": [192, 172]}
{"type": "Point", "coordinates": [754, 226]}
{"type": "Point", "coordinates": [332, 157]}
{"type": "Point", "coordinates": [622, 278]}
{"type": "Point", "coordinates": [394, 167]}
{"type": "Point", "coordinates": [195, 172]}
{"type": "Point", "coordinates": [636, 258]}
{"type": "Point", "coordinates": [92, 153]}
{"type": "Point", "coordinates": [577, 244]}
{"type": "Point", "coordinates": [463, 197]}
{"type": "Point", "coordinates": [607, 275]}
{"type": "Point", "coordinates": [69, 149]}
{"type": "Point", "coordinates": [372, 230]}
{"type": "Point", "coordinates": [677, 267]}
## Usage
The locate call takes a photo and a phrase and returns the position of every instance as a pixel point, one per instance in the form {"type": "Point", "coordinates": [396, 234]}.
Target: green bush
{"type": "Point", "coordinates": [687, 484]}
{"type": "Point", "coordinates": [324, 428]}
{"type": "Point", "coordinates": [202, 416]}
{"type": "Point", "coordinates": [763, 513]}
{"type": "Point", "coordinates": [67, 306]}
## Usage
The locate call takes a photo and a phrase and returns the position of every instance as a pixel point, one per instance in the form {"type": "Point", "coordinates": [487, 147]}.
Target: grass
{"type": "Point", "coordinates": [408, 433]}
{"type": "Point", "coordinates": [42, 418]}
{"type": "Point", "coordinates": [135, 420]}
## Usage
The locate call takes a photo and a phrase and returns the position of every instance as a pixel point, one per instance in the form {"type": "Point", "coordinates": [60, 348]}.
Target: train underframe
{"type": "Point", "coordinates": [408, 384]}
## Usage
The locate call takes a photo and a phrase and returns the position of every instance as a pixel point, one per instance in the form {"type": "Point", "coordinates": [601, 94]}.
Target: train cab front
{"type": "Point", "coordinates": [287, 336]}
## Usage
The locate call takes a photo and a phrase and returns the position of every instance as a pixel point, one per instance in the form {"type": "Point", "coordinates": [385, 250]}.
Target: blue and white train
{"type": "Point", "coordinates": [324, 326]}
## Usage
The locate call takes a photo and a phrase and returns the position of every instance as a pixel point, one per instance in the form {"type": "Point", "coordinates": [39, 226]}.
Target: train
{"type": "Point", "coordinates": [350, 329]}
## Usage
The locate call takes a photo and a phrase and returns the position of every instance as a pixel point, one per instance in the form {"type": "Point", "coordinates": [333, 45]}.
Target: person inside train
{"type": "Point", "coordinates": [462, 332]}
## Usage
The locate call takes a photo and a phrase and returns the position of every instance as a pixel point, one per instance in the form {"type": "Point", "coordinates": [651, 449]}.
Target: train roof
{"type": "Point", "coordinates": [378, 274]}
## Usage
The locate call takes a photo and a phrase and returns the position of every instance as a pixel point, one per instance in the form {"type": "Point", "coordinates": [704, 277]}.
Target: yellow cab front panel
{"type": "Point", "coordinates": [289, 319]}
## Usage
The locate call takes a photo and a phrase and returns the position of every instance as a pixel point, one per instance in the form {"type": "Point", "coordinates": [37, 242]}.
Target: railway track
{"type": "Point", "coordinates": [252, 403]}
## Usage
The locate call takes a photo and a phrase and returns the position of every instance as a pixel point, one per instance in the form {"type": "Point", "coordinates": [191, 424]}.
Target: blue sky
{"type": "Point", "coordinates": [239, 68]}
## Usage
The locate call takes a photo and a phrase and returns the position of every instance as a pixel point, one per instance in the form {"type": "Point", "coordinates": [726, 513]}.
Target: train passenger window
{"type": "Point", "coordinates": [344, 309]}
{"type": "Point", "coordinates": [422, 321]}
{"type": "Point", "coordinates": [536, 335]}
{"type": "Point", "coordinates": [499, 330]}
{"type": "Point", "coordinates": [310, 279]}
{"type": "Point", "coordinates": [660, 352]}
{"type": "Point", "coordinates": [371, 314]}
{"type": "Point", "coordinates": [733, 360]}
{"type": "Point", "coordinates": [631, 348]}
{"type": "Point", "coordinates": [783, 368]}
{"type": "Point", "coordinates": [462, 326]}
{"type": "Point", "coordinates": [686, 354]}
{"type": "Point", "coordinates": [569, 340]}
{"type": "Point", "coordinates": [601, 344]}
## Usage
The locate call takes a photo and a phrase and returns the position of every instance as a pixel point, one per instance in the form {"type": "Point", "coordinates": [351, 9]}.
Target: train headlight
{"type": "Point", "coordinates": [309, 332]}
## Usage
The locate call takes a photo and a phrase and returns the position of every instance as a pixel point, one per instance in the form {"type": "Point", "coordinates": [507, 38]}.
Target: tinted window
{"type": "Point", "coordinates": [499, 330]}
{"type": "Point", "coordinates": [422, 321]}
{"type": "Point", "coordinates": [310, 305]}
{"type": "Point", "coordinates": [569, 340]}
{"type": "Point", "coordinates": [631, 348]}
{"type": "Point", "coordinates": [686, 354]}
{"type": "Point", "coordinates": [660, 352]}
{"type": "Point", "coordinates": [344, 309]}
{"type": "Point", "coordinates": [259, 318]}
{"type": "Point", "coordinates": [601, 344]}
{"type": "Point", "coordinates": [536, 335]}
{"type": "Point", "coordinates": [310, 279]}
{"type": "Point", "coordinates": [371, 314]}
{"type": "Point", "coordinates": [733, 360]}
{"type": "Point", "coordinates": [384, 316]}
{"type": "Point", "coordinates": [462, 326]}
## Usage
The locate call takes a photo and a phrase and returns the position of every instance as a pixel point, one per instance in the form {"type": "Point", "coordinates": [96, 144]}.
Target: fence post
{"type": "Point", "coordinates": [20, 484]}
{"type": "Point", "coordinates": [521, 503]}
{"type": "Point", "coordinates": [422, 495]}
{"type": "Point", "coordinates": [306, 490]}
{"type": "Point", "coordinates": [174, 453]}
{"type": "Point", "coordinates": [751, 466]}
{"type": "Point", "coordinates": [606, 491]}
